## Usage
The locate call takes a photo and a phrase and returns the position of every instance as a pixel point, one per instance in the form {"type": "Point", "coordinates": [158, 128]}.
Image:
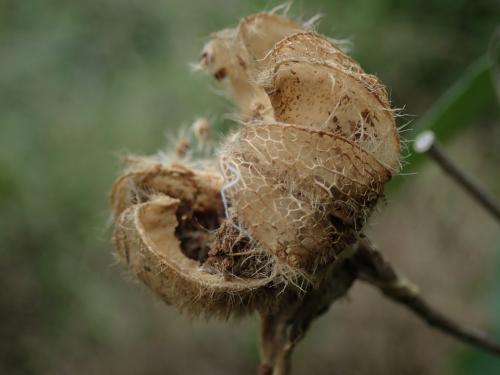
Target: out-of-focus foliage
{"type": "Point", "coordinates": [472, 98]}
{"type": "Point", "coordinates": [81, 81]}
{"type": "Point", "coordinates": [470, 362]}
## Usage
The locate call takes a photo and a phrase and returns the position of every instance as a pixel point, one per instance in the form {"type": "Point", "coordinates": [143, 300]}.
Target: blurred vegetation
{"type": "Point", "coordinates": [82, 81]}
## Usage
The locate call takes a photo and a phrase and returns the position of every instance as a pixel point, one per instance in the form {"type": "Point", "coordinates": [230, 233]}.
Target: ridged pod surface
{"type": "Point", "coordinates": [299, 177]}
{"type": "Point", "coordinates": [301, 192]}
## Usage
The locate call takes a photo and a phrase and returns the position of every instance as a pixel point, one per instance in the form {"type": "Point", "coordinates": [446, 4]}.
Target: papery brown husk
{"type": "Point", "coordinates": [155, 206]}
{"type": "Point", "coordinates": [300, 177]}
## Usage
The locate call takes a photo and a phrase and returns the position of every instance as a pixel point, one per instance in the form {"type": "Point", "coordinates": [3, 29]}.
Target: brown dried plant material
{"type": "Point", "coordinates": [323, 97]}
{"type": "Point", "coordinates": [304, 177]}
{"type": "Point", "coordinates": [313, 83]}
{"type": "Point", "coordinates": [233, 54]}
{"type": "Point", "coordinates": [202, 130]}
{"type": "Point", "coordinates": [309, 46]}
{"type": "Point", "coordinates": [301, 192]}
{"type": "Point", "coordinates": [182, 148]}
{"type": "Point", "coordinates": [299, 178]}
{"type": "Point", "coordinates": [277, 230]}
{"type": "Point", "coordinates": [165, 221]}
{"type": "Point", "coordinates": [144, 177]}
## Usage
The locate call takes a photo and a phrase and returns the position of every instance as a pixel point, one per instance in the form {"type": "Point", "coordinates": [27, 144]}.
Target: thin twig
{"type": "Point", "coordinates": [374, 269]}
{"type": "Point", "coordinates": [426, 143]}
{"type": "Point", "coordinates": [284, 327]}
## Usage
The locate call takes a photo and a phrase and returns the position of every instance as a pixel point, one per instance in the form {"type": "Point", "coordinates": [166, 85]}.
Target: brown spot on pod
{"type": "Point", "coordinates": [220, 74]}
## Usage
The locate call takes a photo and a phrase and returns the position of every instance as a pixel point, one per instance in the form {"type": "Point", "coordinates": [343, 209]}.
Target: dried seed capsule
{"type": "Point", "coordinates": [305, 181]}
{"type": "Point", "coordinates": [164, 238]}
{"type": "Point", "coordinates": [300, 177]}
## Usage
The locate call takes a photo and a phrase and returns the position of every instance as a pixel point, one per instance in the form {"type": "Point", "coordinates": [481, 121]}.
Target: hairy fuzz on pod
{"type": "Point", "coordinates": [298, 179]}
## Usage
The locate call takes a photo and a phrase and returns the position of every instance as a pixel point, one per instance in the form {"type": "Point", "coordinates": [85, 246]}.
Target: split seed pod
{"type": "Point", "coordinates": [308, 173]}
{"type": "Point", "coordinates": [165, 221]}
{"type": "Point", "coordinates": [299, 178]}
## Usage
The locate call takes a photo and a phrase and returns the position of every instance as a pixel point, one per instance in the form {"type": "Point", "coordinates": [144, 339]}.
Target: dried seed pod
{"type": "Point", "coordinates": [305, 181]}
{"type": "Point", "coordinates": [300, 177]}
{"type": "Point", "coordinates": [165, 221]}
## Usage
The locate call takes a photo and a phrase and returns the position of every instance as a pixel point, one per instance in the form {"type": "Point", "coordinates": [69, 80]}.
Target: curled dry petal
{"type": "Point", "coordinates": [144, 177]}
{"type": "Point", "coordinates": [233, 54]}
{"type": "Point", "coordinates": [260, 32]}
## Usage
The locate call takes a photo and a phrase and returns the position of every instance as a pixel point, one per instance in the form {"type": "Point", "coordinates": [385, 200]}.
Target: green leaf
{"type": "Point", "coordinates": [472, 97]}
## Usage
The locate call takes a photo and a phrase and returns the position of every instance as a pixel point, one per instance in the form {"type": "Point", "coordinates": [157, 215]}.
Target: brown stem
{"type": "Point", "coordinates": [426, 142]}
{"type": "Point", "coordinates": [374, 269]}
{"type": "Point", "coordinates": [276, 346]}
{"type": "Point", "coordinates": [284, 327]}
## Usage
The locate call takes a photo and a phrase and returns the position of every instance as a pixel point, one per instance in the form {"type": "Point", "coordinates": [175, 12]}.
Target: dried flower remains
{"type": "Point", "coordinates": [284, 200]}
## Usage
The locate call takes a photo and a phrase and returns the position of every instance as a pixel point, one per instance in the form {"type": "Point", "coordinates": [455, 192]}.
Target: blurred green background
{"type": "Point", "coordinates": [83, 81]}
